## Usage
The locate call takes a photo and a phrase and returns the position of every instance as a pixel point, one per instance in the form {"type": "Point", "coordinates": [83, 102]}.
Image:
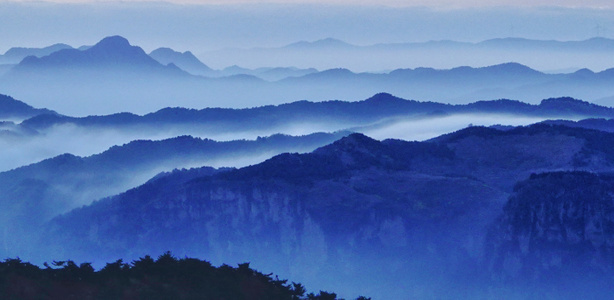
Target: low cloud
{"type": "Point", "coordinates": [427, 128]}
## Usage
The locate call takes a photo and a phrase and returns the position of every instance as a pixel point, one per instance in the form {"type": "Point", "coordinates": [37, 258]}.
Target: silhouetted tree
{"type": "Point", "coordinates": [164, 278]}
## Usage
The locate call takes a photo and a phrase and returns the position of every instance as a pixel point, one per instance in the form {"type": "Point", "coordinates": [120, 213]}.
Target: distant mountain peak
{"type": "Point", "coordinates": [185, 61]}
{"type": "Point", "coordinates": [164, 50]}
{"type": "Point", "coordinates": [169, 51]}
{"type": "Point", "coordinates": [584, 72]}
{"type": "Point", "coordinates": [20, 51]}
{"type": "Point", "coordinates": [113, 53]}
{"type": "Point", "coordinates": [355, 138]}
{"type": "Point", "coordinates": [574, 106]}
{"type": "Point", "coordinates": [117, 47]}
{"type": "Point", "coordinates": [564, 100]}
{"type": "Point", "coordinates": [337, 71]}
{"type": "Point", "coordinates": [326, 42]}
{"type": "Point", "coordinates": [353, 143]}
{"type": "Point", "coordinates": [330, 41]}
{"type": "Point", "coordinates": [512, 66]}
{"type": "Point", "coordinates": [379, 97]}
{"type": "Point", "coordinates": [113, 42]}
{"type": "Point", "coordinates": [9, 107]}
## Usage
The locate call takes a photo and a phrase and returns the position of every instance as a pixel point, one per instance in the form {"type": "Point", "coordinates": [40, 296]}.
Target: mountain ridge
{"type": "Point", "coordinates": [382, 105]}
{"type": "Point", "coordinates": [436, 53]}
{"type": "Point", "coordinates": [123, 72]}
{"type": "Point", "coordinates": [110, 52]}
{"type": "Point", "coordinates": [185, 61]}
{"type": "Point", "coordinates": [17, 54]}
{"type": "Point", "coordinates": [11, 108]}
{"type": "Point", "coordinates": [344, 201]}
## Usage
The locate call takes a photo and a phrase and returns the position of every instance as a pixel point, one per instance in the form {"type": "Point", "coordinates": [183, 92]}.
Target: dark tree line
{"type": "Point", "coordinates": [166, 277]}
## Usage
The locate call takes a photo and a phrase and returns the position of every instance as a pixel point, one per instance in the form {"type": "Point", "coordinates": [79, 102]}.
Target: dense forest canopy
{"type": "Point", "coordinates": [166, 277]}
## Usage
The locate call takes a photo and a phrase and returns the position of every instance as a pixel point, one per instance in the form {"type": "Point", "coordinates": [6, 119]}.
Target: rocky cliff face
{"type": "Point", "coordinates": [555, 227]}
{"type": "Point", "coordinates": [353, 209]}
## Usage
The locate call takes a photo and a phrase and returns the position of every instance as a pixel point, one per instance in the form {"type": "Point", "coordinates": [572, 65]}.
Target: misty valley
{"type": "Point", "coordinates": [128, 175]}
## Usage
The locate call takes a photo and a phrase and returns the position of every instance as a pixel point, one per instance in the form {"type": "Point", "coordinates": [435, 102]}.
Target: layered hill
{"type": "Point", "coordinates": [544, 55]}
{"type": "Point", "coordinates": [92, 76]}
{"type": "Point", "coordinates": [378, 108]}
{"type": "Point", "coordinates": [35, 193]}
{"type": "Point", "coordinates": [184, 60]}
{"type": "Point", "coordinates": [110, 53]}
{"type": "Point", "coordinates": [380, 116]}
{"type": "Point", "coordinates": [355, 205]}
{"type": "Point", "coordinates": [189, 63]}
{"type": "Point", "coordinates": [107, 77]}
{"type": "Point", "coordinates": [12, 109]}
{"type": "Point", "coordinates": [17, 54]}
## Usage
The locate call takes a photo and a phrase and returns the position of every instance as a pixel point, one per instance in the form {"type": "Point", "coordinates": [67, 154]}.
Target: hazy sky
{"type": "Point", "coordinates": [397, 3]}
{"type": "Point", "coordinates": [208, 27]}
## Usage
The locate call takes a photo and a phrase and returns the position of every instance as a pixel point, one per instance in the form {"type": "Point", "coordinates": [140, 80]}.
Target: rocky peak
{"type": "Point", "coordinates": [555, 224]}
{"type": "Point", "coordinates": [113, 42]}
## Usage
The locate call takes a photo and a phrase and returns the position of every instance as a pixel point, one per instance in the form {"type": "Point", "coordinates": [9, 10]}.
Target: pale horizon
{"type": "Point", "coordinates": [439, 4]}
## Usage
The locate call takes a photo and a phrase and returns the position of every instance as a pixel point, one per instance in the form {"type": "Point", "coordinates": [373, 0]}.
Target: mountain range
{"type": "Point", "coordinates": [108, 54]}
{"type": "Point", "coordinates": [12, 109]}
{"type": "Point", "coordinates": [56, 185]}
{"type": "Point", "coordinates": [17, 54]}
{"type": "Point", "coordinates": [382, 106]}
{"type": "Point", "coordinates": [112, 73]}
{"type": "Point", "coordinates": [544, 55]}
{"type": "Point", "coordinates": [188, 62]}
{"type": "Point", "coordinates": [380, 116]}
{"type": "Point", "coordinates": [364, 210]}
{"type": "Point", "coordinates": [466, 212]}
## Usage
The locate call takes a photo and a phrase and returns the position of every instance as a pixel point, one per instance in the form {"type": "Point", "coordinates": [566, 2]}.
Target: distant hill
{"type": "Point", "coordinates": [456, 85]}
{"type": "Point", "coordinates": [597, 124]}
{"type": "Point", "coordinates": [15, 109]}
{"type": "Point", "coordinates": [107, 77]}
{"type": "Point", "coordinates": [319, 44]}
{"type": "Point", "coordinates": [380, 116]}
{"type": "Point", "coordinates": [355, 205]}
{"type": "Point", "coordinates": [185, 61]}
{"type": "Point", "coordinates": [111, 53]}
{"type": "Point", "coordinates": [17, 54]}
{"type": "Point", "coordinates": [112, 70]}
{"type": "Point", "coordinates": [188, 62]}
{"type": "Point", "coordinates": [338, 114]}
{"type": "Point", "coordinates": [268, 73]}
{"type": "Point", "coordinates": [595, 44]}
{"type": "Point", "coordinates": [544, 55]}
